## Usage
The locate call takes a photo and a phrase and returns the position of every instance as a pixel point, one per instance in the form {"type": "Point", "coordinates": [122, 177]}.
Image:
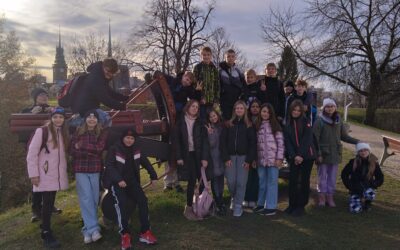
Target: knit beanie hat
{"type": "Point", "coordinates": [362, 145]}
{"type": "Point", "coordinates": [91, 112]}
{"type": "Point", "coordinates": [36, 92]}
{"type": "Point", "coordinates": [57, 110]}
{"type": "Point", "coordinates": [128, 132]}
{"type": "Point", "coordinates": [328, 101]}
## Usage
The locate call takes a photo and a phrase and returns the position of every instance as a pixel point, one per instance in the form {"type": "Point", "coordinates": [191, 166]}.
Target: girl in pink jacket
{"type": "Point", "coordinates": [270, 149]}
{"type": "Point", "coordinates": [47, 167]}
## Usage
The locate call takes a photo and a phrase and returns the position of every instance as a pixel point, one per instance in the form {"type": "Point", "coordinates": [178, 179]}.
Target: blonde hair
{"type": "Point", "coordinates": [245, 116]}
{"type": "Point", "coordinates": [190, 75]}
{"type": "Point", "coordinates": [84, 128]}
{"type": "Point", "coordinates": [64, 134]}
{"type": "Point", "coordinates": [250, 72]}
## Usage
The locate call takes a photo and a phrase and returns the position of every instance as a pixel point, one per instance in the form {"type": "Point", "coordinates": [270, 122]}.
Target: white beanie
{"type": "Point", "coordinates": [328, 101]}
{"type": "Point", "coordinates": [362, 145]}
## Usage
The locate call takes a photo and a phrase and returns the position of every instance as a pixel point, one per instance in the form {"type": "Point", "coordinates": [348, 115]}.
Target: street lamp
{"type": "Point", "coordinates": [348, 55]}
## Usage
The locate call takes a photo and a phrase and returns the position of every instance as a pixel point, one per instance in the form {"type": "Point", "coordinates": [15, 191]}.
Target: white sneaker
{"type": "Point", "coordinates": [245, 204]}
{"type": "Point", "coordinates": [232, 204]}
{"type": "Point", "coordinates": [96, 236]}
{"type": "Point", "coordinates": [87, 239]}
{"type": "Point", "coordinates": [238, 211]}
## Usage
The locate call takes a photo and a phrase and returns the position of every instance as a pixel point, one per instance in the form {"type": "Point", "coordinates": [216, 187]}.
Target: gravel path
{"type": "Point", "coordinates": [374, 138]}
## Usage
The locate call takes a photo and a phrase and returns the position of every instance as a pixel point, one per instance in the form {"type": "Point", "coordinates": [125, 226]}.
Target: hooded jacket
{"type": "Point", "coordinates": [275, 95]}
{"type": "Point", "coordinates": [270, 147]}
{"type": "Point", "coordinates": [232, 82]}
{"type": "Point", "coordinates": [96, 91]}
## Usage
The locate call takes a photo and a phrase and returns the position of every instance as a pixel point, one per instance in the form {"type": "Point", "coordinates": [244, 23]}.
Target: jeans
{"type": "Point", "coordinates": [87, 187]}
{"type": "Point", "coordinates": [268, 187]}
{"type": "Point", "coordinates": [104, 119]}
{"type": "Point", "coordinates": [236, 175]}
{"type": "Point", "coordinates": [327, 178]}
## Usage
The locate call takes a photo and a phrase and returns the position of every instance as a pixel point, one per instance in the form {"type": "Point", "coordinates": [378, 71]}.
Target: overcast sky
{"type": "Point", "coordinates": [36, 23]}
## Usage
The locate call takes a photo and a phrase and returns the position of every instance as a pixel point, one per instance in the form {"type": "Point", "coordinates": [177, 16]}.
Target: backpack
{"type": "Point", "coordinates": [45, 136]}
{"type": "Point", "coordinates": [67, 93]}
{"type": "Point", "coordinates": [202, 203]}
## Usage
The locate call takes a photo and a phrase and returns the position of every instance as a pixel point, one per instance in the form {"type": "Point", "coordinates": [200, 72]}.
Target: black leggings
{"type": "Point", "coordinates": [299, 183]}
{"type": "Point", "coordinates": [217, 187]}
{"type": "Point", "coordinates": [47, 208]}
{"type": "Point", "coordinates": [193, 175]}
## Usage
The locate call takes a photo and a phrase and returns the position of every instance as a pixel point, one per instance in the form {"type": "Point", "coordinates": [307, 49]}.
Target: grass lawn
{"type": "Point", "coordinates": [327, 228]}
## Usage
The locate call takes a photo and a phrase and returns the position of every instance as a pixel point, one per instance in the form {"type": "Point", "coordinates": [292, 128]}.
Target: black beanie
{"type": "Point", "coordinates": [128, 132]}
{"type": "Point", "coordinates": [36, 92]}
{"type": "Point", "coordinates": [92, 112]}
{"type": "Point", "coordinates": [289, 83]}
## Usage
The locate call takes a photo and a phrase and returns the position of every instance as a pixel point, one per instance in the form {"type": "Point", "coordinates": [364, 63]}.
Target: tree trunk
{"type": "Point", "coordinates": [372, 99]}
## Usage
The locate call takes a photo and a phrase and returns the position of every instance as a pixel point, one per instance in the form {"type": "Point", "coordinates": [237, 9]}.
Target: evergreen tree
{"type": "Point", "coordinates": [287, 66]}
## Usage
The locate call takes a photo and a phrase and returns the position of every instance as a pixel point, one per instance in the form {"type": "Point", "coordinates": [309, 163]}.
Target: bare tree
{"type": "Point", "coordinates": [369, 30]}
{"type": "Point", "coordinates": [172, 31]}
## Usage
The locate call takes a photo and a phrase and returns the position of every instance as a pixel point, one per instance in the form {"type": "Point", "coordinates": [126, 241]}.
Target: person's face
{"type": "Point", "coordinates": [128, 140]}
{"type": "Point", "coordinates": [230, 58]}
{"type": "Point", "coordinates": [265, 114]}
{"type": "Point", "coordinates": [108, 74]}
{"type": "Point", "coordinates": [193, 109]}
{"type": "Point", "coordinates": [206, 57]}
{"type": "Point", "coordinates": [255, 108]}
{"type": "Point", "coordinates": [271, 71]}
{"type": "Point", "coordinates": [213, 118]}
{"type": "Point", "coordinates": [250, 78]}
{"type": "Point", "coordinates": [186, 81]}
{"type": "Point", "coordinates": [364, 153]}
{"type": "Point", "coordinates": [300, 89]}
{"type": "Point", "coordinates": [240, 110]}
{"type": "Point", "coordinates": [330, 109]}
{"type": "Point", "coordinates": [91, 121]}
{"type": "Point", "coordinates": [288, 89]}
{"type": "Point", "coordinates": [57, 120]}
{"type": "Point", "coordinates": [296, 112]}
{"type": "Point", "coordinates": [42, 99]}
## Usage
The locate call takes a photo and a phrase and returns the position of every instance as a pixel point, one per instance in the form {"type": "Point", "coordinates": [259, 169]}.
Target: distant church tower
{"type": "Point", "coordinates": [60, 67]}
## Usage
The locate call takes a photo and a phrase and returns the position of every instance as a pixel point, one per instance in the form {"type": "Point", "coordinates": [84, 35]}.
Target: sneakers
{"type": "Point", "coordinates": [258, 209]}
{"type": "Point", "coordinates": [321, 200]}
{"type": "Point", "coordinates": [221, 210]}
{"type": "Point", "coordinates": [330, 201]}
{"type": "Point", "coordinates": [231, 205]}
{"type": "Point", "coordinates": [56, 210]}
{"type": "Point", "coordinates": [96, 236]}
{"type": "Point", "coordinates": [49, 241]}
{"type": "Point", "coordinates": [167, 188]}
{"type": "Point", "coordinates": [87, 239]}
{"type": "Point", "coordinates": [237, 211]}
{"type": "Point", "coordinates": [268, 212]}
{"type": "Point", "coordinates": [189, 214]}
{"type": "Point", "coordinates": [252, 204]}
{"type": "Point", "coordinates": [245, 204]}
{"type": "Point", "coordinates": [126, 242]}
{"type": "Point", "coordinates": [148, 238]}
{"type": "Point", "coordinates": [289, 210]}
{"type": "Point", "coordinates": [35, 217]}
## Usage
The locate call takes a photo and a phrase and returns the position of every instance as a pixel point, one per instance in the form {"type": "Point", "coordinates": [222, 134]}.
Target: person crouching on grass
{"type": "Point", "coordinates": [122, 178]}
{"type": "Point", "coordinates": [362, 176]}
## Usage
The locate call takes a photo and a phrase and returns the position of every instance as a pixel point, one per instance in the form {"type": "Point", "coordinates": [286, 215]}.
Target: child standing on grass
{"type": "Point", "coordinates": [329, 130]}
{"type": "Point", "coordinates": [122, 178]}
{"type": "Point", "coordinates": [270, 149]}
{"type": "Point", "coordinates": [47, 168]}
{"type": "Point", "coordinates": [362, 176]}
{"type": "Point", "coordinates": [250, 198]}
{"type": "Point", "coordinates": [86, 148]}
{"type": "Point", "coordinates": [238, 150]}
{"type": "Point", "coordinates": [214, 129]}
{"type": "Point", "coordinates": [206, 74]}
{"type": "Point", "coordinates": [300, 153]}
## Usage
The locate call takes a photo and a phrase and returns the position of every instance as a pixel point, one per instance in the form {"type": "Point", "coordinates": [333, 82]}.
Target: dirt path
{"type": "Point", "coordinates": [374, 138]}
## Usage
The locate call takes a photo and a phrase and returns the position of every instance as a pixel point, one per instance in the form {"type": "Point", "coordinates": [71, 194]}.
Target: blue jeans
{"type": "Point", "coordinates": [236, 176]}
{"type": "Point", "coordinates": [104, 119]}
{"type": "Point", "coordinates": [268, 187]}
{"type": "Point", "coordinates": [87, 187]}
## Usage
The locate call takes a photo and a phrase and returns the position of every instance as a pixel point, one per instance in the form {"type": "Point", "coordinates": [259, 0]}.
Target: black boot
{"type": "Point", "coordinates": [49, 241]}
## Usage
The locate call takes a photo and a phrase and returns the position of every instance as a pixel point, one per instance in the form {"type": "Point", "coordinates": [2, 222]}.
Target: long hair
{"type": "Point", "coordinates": [188, 104]}
{"type": "Point", "coordinates": [64, 134]}
{"type": "Point", "coordinates": [218, 115]}
{"type": "Point", "coordinates": [293, 105]}
{"type": "Point", "coordinates": [245, 116]}
{"type": "Point", "coordinates": [275, 127]}
{"type": "Point", "coordinates": [251, 104]}
{"type": "Point", "coordinates": [372, 160]}
{"type": "Point", "coordinates": [84, 128]}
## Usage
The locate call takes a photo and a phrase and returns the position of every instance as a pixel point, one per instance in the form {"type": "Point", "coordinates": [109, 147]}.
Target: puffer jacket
{"type": "Point", "coordinates": [270, 147]}
{"type": "Point", "coordinates": [51, 168]}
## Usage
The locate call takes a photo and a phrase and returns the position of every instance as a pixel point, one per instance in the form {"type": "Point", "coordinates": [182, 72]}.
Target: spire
{"type": "Point", "coordinates": [109, 39]}
{"type": "Point", "coordinates": [59, 36]}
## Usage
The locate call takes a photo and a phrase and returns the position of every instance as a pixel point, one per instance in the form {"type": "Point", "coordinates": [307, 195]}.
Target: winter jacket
{"type": "Point", "coordinates": [275, 95]}
{"type": "Point", "coordinates": [328, 137]}
{"type": "Point", "coordinates": [306, 98]}
{"type": "Point", "coordinates": [356, 181]}
{"type": "Point", "coordinates": [251, 92]}
{"type": "Point", "coordinates": [208, 75]}
{"type": "Point", "coordinates": [299, 140]}
{"type": "Point", "coordinates": [88, 158]}
{"type": "Point", "coordinates": [270, 147]}
{"type": "Point", "coordinates": [95, 91]}
{"type": "Point", "coordinates": [238, 140]}
{"type": "Point", "coordinates": [232, 82]}
{"type": "Point", "coordinates": [51, 168]}
{"type": "Point", "coordinates": [214, 141]}
{"type": "Point", "coordinates": [120, 166]}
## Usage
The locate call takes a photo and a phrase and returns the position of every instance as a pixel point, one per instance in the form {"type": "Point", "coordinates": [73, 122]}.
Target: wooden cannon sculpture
{"type": "Point", "coordinates": [154, 135]}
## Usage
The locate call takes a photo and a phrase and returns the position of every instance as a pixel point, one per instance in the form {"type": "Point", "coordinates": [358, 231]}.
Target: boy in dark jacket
{"type": "Point", "coordinates": [362, 176]}
{"type": "Point", "coordinates": [122, 178]}
{"type": "Point", "coordinates": [301, 94]}
{"type": "Point", "coordinates": [252, 90]}
{"type": "Point", "coordinates": [96, 90]}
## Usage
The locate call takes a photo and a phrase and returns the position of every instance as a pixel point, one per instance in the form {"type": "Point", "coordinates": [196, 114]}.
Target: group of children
{"type": "Point", "coordinates": [231, 124]}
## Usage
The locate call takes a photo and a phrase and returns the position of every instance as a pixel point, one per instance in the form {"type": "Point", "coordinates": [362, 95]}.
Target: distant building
{"type": "Point", "coordinates": [60, 67]}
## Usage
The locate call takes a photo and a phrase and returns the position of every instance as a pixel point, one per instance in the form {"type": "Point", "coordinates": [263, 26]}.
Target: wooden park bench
{"type": "Point", "coordinates": [392, 147]}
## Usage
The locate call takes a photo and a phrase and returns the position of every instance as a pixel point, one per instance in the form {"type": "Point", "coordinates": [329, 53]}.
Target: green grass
{"type": "Point", "coordinates": [327, 228]}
